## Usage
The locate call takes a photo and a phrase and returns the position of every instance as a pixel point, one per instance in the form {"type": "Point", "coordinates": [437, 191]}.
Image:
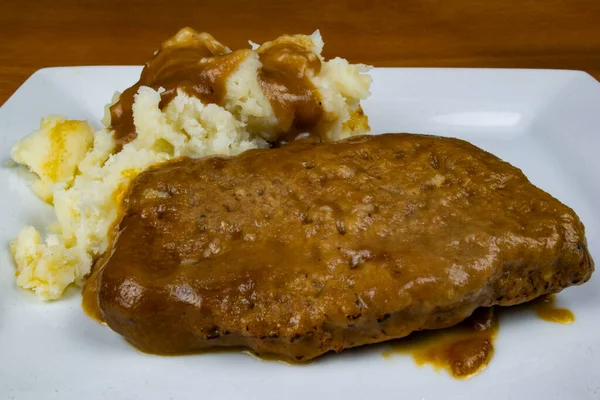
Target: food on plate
{"type": "Point", "coordinates": [194, 98]}
{"type": "Point", "coordinates": [314, 247]}
{"type": "Point", "coordinates": [229, 203]}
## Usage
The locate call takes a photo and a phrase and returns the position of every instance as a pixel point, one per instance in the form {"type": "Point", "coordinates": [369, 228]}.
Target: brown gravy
{"type": "Point", "coordinates": [193, 62]}
{"type": "Point", "coordinates": [89, 300]}
{"type": "Point", "coordinates": [284, 78]}
{"type": "Point", "coordinates": [463, 350]}
{"type": "Point", "coordinates": [199, 65]}
{"type": "Point", "coordinates": [546, 309]}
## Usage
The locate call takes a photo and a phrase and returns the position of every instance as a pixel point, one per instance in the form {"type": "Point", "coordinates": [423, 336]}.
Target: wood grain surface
{"type": "Point", "coordinates": [432, 33]}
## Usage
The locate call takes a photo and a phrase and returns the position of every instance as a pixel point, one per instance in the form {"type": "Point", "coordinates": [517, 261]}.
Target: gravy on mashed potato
{"type": "Point", "coordinates": [195, 98]}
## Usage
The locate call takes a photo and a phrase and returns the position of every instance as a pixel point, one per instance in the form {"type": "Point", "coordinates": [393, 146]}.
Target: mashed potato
{"type": "Point", "coordinates": [53, 152]}
{"type": "Point", "coordinates": [85, 178]}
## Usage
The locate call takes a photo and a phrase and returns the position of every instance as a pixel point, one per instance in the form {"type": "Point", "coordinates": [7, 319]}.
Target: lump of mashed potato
{"type": "Point", "coordinates": [53, 152]}
{"type": "Point", "coordinates": [237, 101]}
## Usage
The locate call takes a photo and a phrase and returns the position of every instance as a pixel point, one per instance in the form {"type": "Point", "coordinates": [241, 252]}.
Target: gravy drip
{"type": "Point", "coordinates": [287, 65]}
{"type": "Point", "coordinates": [546, 309]}
{"type": "Point", "coordinates": [463, 350]}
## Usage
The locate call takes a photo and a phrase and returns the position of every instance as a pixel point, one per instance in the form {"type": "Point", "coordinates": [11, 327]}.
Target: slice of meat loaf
{"type": "Point", "coordinates": [316, 247]}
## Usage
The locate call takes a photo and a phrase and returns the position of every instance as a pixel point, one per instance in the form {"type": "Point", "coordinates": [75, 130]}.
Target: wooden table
{"type": "Point", "coordinates": [433, 33]}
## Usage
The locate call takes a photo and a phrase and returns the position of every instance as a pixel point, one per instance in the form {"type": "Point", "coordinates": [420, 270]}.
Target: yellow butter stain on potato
{"type": "Point", "coordinates": [358, 122]}
{"type": "Point", "coordinates": [53, 152]}
{"type": "Point", "coordinates": [42, 267]}
{"type": "Point", "coordinates": [127, 175]}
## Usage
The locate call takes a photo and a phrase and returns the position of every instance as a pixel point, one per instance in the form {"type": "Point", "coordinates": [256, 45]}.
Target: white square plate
{"type": "Point", "coordinates": [545, 122]}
